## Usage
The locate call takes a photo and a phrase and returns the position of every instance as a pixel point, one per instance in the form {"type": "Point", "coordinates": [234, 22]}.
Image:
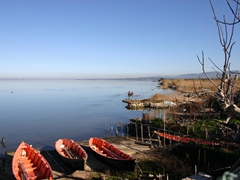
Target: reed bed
{"type": "Point", "coordinates": [190, 85]}
{"type": "Point", "coordinates": [168, 97]}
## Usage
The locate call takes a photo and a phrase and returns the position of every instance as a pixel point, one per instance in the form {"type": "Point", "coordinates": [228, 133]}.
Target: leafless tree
{"type": "Point", "coordinates": [226, 89]}
{"type": "Point", "coordinates": [235, 12]}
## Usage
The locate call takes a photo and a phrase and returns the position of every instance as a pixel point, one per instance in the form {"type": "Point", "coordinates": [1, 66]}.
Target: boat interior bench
{"type": "Point", "coordinates": [32, 166]}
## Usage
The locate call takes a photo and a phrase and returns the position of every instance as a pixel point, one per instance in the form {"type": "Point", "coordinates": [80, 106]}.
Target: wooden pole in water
{"type": "Point", "coordinates": [142, 131]}
{"type": "Point", "coordinates": [149, 135]}
{"type": "Point", "coordinates": [3, 140]}
{"type": "Point", "coordinates": [136, 131]}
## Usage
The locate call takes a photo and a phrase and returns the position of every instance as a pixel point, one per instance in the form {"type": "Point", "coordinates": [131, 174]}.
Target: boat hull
{"type": "Point", "coordinates": [186, 139]}
{"type": "Point", "coordinates": [102, 150]}
{"type": "Point", "coordinates": [72, 153]}
{"type": "Point", "coordinates": [28, 163]}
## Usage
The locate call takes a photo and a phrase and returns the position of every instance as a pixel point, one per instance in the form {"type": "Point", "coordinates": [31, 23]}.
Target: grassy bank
{"type": "Point", "coordinates": [190, 85]}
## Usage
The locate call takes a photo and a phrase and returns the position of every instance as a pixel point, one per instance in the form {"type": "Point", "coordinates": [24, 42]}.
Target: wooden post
{"type": "Point", "coordinates": [116, 131]}
{"type": "Point", "coordinates": [204, 156]}
{"type": "Point", "coordinates": [206, 133]}
{"type": "Point", "coordinates": [111, 129]}
{"type": "Point", "coordinates": [142, 132]}
{"type": "Point", "coordinates": [199, 158]}
{"type": "Point", "coordinates": [164, 142]}
{"type": "Point", "coordinates": [159, 141]}
{"type": "Point", "coordinates": [208, 166]}
{"type": "Point", "coordinates": [149, 135]}
{"type": "Point", "coordinates": [127, 131]}
{"type": "Point", "coordinates": [136, 131]}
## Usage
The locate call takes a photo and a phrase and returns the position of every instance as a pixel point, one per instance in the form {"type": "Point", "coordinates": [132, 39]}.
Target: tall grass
{"type": "Point", "coordinates": [167, 97]}
{"type": "Point", "coordinates": [190, 85]}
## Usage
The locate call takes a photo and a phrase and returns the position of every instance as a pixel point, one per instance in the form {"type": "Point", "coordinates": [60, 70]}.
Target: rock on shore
{"type": "Point", "coordinates": [146, 103]}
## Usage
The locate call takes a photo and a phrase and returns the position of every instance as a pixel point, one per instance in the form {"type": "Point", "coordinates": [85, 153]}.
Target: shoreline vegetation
{"type": "Point", "coordinates": [184, 90]}
{"type": "Point", "coordinates": [192, 109]}
{"type": "Point", "coordinates": [190, 85]}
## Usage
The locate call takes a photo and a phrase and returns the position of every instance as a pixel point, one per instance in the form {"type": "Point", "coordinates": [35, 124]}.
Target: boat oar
{"type": "Point", "coordinates": [111, 153]}
{"type": "Point", "coordinates": [70, 153]}
{"type": "Point", "coordinates": [23, 172]}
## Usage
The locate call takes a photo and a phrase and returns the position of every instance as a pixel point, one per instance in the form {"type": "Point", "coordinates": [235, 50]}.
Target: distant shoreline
{"type": "Point", "coordinates": [97, 79]}
{"type": "Point", "coordinates": [211, 74]}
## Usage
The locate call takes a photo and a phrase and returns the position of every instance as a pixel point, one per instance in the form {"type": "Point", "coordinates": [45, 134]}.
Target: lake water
{"type": "Point", "coordinates": [40, 112]}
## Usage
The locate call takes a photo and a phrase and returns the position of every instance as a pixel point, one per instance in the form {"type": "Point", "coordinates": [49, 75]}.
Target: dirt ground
{"type": "Point", "coordinates": [95, 169]}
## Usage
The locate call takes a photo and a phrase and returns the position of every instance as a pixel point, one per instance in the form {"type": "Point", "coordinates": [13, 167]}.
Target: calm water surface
{"type": "Point", "coordinates": [40, 112]}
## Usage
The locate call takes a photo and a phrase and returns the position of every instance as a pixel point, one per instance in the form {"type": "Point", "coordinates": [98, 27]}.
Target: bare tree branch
{"type": "Point", "coordinates": [215, 65]}
{"type": "Point", "coordinates": [220, 32]}
{"type": "Point", "coordinates": [236, 13]}
{"type": "Point", "coordinates": [225, 90]}
{"type": "Point", "coordinates": [203, 69]}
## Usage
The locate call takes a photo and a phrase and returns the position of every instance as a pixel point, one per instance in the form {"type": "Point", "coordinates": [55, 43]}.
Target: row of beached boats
{"type": "Point", "coordinates": [28, 163]}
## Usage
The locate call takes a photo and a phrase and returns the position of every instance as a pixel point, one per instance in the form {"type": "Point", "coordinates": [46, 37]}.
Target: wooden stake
{"type": "Point", "coordinates": [150, 139]}
{"type": "Point", "coordinates": [136, 131]}
{"type": "Point", "coordinates": [199, 157]}
{"type": "Point", "coordinates": [204, 156]}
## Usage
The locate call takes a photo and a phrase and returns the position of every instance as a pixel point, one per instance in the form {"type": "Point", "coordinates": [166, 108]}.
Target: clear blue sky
{"type": "Point", "coordinates": [109, 38]}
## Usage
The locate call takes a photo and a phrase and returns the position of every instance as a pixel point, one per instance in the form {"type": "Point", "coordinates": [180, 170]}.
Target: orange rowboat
{"type": "Point", "coordinates": [185, 139]}
{"type": "Point", "coordinates": [28, 164]}
{"type": "Point", "coordinates": [111, 155]}
{"type": "Point", "coordinates": [72, 153]}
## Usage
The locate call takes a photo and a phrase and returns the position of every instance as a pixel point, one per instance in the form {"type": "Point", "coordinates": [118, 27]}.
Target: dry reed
{"type": "Point", "coordinates": [167, 97]}
{"type": "Point", "coordinates": [190, 85]}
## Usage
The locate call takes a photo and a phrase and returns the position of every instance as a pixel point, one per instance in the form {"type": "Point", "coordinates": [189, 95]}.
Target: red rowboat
{"type": "Point", "coordinates": [111, 155]}
{"type": "Point", "coordinates": [72, 153]}
{"type": "Point", "coordinates": [28, 164]}
{"type": "Point", "coordinates": [185, 139]}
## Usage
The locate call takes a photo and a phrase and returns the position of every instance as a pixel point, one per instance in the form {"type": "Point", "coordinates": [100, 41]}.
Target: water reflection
{"type": "Point", "coordinates": [42, 111]}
